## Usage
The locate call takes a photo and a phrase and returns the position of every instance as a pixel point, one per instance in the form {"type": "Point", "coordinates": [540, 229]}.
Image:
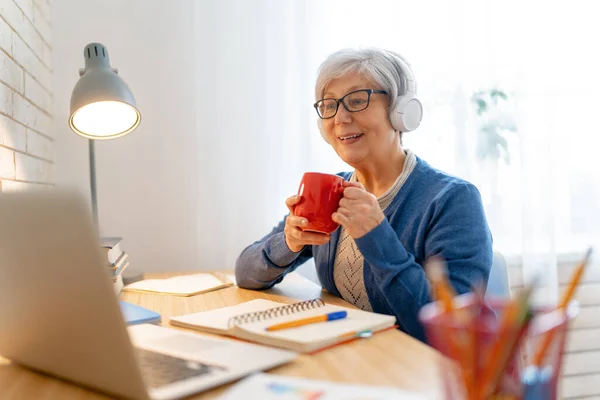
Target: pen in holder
{"type": "Point", "coordinates": [492, 356]}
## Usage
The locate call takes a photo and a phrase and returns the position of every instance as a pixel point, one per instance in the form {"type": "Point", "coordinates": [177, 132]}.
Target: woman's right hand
{"type": "Point", "coordinates": [295, 238]}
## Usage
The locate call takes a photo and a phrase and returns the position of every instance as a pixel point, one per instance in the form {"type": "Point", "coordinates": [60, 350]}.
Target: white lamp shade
{"type": "Point", "coordinates": [102, 106]}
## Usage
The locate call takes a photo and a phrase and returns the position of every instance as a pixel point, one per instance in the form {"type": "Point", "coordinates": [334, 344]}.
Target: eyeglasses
{"type": "Point", "coordinates": [355, 101]}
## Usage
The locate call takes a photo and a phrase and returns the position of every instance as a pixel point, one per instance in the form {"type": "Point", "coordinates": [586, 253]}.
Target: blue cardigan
{"type": "Point", "coordinates": [432, 214]}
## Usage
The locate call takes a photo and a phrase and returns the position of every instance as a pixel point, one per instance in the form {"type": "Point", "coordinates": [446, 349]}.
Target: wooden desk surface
{"type": "Point", "coordinates": [390, 358]}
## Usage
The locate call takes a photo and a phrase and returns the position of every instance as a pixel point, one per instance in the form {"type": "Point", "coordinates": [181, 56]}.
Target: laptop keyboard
{"type": "Point", "coordinates": [161, 369]}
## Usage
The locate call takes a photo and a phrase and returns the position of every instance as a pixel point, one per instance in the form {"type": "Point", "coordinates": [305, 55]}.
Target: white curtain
{"type": "Point", "coordinates": [254, 119]}
{"type": "Point", "coordinates": [509, 90]}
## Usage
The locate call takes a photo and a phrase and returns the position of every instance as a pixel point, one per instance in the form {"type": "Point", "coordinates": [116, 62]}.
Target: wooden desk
{"type": "Point", "coordinates": [390, 358]}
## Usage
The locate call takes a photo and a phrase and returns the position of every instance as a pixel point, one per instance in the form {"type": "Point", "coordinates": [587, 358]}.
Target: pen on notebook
{"type": "Point", "coordinates": [332, 316]}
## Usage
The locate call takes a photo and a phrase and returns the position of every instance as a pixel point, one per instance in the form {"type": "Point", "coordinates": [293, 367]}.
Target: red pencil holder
{"type": "Point", "coordinates": [447, 332]}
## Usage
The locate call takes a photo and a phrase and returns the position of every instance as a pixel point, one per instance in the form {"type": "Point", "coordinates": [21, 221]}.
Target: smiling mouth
{"type": "Point", "coordinates": [351, 136]}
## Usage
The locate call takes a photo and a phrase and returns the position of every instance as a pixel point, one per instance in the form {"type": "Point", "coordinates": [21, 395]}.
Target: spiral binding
{"type": "Point", "coordinates": [257, 316]}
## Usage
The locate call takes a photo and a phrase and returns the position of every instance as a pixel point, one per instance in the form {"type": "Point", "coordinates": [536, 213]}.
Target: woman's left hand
{"type": "Point", "coordinates": [359, 211]}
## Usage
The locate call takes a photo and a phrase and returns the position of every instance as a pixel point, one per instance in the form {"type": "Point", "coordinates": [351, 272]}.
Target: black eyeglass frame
{"type": "Point", "coordinates": [341, 100]}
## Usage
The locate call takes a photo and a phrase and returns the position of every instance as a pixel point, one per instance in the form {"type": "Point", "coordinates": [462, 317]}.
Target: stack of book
{"type": "Point", "coordinates": [117, 260]}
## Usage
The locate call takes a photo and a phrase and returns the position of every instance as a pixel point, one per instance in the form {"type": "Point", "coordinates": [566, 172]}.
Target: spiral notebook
{"type": "Point", "coordinates": [249, 321]}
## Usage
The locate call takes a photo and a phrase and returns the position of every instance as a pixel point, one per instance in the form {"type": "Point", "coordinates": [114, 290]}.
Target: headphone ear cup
{"type": "Point", "coordinates": [322, 131]}
{"type": "Point", "coordinates": [407, 115]}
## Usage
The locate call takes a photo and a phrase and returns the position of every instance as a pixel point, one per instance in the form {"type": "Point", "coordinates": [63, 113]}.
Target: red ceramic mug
{"type": "Point", "coordinates": [321, 195]}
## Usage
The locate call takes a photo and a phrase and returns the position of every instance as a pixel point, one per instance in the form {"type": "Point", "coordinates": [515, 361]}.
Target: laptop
{"type": "Point", "coordinates": [59, 314]}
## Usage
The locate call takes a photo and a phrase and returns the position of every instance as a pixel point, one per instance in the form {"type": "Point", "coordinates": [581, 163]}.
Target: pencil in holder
{"type": "Point", "coordinates": [486, 359]}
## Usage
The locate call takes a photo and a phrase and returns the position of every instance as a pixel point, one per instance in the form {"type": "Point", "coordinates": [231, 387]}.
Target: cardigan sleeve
{"type": "Point", "coordinates": [266, 262]}
{"type": "Point", "coordinates": [456, 230]}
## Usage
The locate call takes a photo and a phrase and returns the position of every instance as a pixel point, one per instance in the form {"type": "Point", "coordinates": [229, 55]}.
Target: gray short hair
{"type": "Point", "coordinates": [378, 65]}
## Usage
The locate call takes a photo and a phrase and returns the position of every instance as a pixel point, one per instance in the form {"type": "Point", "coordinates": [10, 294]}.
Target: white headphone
{"type": "Point", "coordinates": [408, 113]}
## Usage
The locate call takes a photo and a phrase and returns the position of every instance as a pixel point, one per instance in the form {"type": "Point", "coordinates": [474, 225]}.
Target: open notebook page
{"type": "Point", "coordinates": [217, 320]}
{"type": "Point", "coordinates": [355, 321]}
{"type": "Point", "coordinates": [184, 284]}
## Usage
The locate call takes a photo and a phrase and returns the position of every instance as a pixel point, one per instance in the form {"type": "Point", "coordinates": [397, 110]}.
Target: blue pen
{"type": "Point", "coordinates": [546, 389]}
{"type": "Point", "coordinates": [531, 383]}
{"type": "Point", "coordinates": [537, 383]}
{"type": "Point", "coordinates": [332, 316]}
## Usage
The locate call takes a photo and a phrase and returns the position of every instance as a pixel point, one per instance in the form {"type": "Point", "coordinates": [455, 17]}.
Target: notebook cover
{"type": "Point", "coordinates": [249, 325]}
{"type": "Point", "coordinates": [135, 314]}
{"type": "Point", "coordinates": [350, 340]}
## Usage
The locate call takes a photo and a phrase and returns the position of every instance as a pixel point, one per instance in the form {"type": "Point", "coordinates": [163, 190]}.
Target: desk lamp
{"type": "Point", "coordinates": [102, 107]}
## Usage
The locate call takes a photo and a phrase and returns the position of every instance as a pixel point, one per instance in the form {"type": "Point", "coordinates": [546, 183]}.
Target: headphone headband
{"type": "Point", "coordinates": [411, 82]}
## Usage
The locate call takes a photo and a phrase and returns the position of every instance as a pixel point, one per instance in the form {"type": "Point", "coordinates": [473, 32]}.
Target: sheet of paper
{"type": "Point", "coordinates": [273, 387]}
{"type": "Point", "coordinates": [231, 278]}
{"type": "Point", "coordinates": [183, 284]}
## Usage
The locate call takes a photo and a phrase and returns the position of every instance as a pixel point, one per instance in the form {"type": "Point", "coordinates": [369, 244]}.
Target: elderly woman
{"type": "Point", "coordinates": [396, 210]}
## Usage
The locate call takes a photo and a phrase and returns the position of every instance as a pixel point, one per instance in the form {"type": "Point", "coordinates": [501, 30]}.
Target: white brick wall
{"type": "Point", "coordinates": [26, 140]}
{"type": "Point", "coordinates": [12, 134]}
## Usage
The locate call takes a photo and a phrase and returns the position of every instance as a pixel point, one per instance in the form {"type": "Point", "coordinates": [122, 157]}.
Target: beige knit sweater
{"type": "Point", "coordinates": [349, 262]}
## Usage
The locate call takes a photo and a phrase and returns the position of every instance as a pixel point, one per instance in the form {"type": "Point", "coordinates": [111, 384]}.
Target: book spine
{"type": "Point", "coordinates": [114, 253]}
{"type": "Point", "coordinates": [118, 285]}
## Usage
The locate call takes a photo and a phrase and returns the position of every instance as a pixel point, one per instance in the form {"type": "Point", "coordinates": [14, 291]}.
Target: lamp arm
{"type": "Point", "coordinates": [93, 183]}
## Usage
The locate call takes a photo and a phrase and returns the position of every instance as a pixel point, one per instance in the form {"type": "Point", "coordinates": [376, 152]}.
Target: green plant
{"type": "Point", "coordinates": [494, 123]}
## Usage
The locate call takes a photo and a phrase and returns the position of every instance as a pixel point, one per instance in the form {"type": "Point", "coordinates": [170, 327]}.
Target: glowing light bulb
{"type": "Point", "coordinates": [105, 119]}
